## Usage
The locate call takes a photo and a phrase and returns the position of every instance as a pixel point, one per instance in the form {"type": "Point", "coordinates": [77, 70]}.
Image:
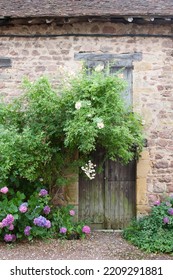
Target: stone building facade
{"type": "Point", "coordinates": [38, 48]}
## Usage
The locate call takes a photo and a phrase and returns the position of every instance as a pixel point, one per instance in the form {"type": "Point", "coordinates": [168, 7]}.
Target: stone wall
{"type": "Point", "coordinates": [152, 83]}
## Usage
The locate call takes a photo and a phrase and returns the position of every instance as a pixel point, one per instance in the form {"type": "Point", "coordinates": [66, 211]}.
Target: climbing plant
{"type": "Point", "coordinates": [47, 131]}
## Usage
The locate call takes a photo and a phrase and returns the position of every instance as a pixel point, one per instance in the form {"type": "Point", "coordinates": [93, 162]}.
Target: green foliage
{"type": "Point", "coordinates": [153, 233]}
{"type": "Point", "coordinates": [30, 138]}
{"type": "Point", "coordinates": [22, 153]}
{"type": "Point", "coordinates": [42, 131]}
{"type": "Point", "coordinates": [63, 218]}
{"type": "Point", "coordinates": [98, 101]}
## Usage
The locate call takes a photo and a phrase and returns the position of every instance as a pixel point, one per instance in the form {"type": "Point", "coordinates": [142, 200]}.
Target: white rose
{"type": "Point", "coordinates": [100, 125]}
{"type": "Point", "coordinates": [78, 105]}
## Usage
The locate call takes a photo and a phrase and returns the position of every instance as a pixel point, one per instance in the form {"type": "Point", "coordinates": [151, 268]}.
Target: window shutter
{"type": "Point", "coordinates": [123, 63]}
{"type": "Point", "coordinates": [126, 74]}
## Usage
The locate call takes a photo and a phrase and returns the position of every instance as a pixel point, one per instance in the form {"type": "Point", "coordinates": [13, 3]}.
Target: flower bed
{"type": "Point", "coordinates": [36, 217]}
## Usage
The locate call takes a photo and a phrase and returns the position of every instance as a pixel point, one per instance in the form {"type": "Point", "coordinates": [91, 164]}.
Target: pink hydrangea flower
{"type": "Point", "coordinates": [166, 220]}
{"type": "Point", "coordinates": [63, 230]}
{"type": "Point", "coordinates": [11, 227]}
{"type": "Point", "coordinates": [4, 190]}
{"type": "Point", "coordinates": [23, 208]}
{"type": "Point", "coordinates": [48, 224]}
{"type": "Point", "coordinates": [170, 211]}
{"type": "Point", "coordinates": [86, 229]}
{"type": "Point", "coordinates": [8, 237]}
{"type": "Point", "coordinates": [157, 202]}
{"type": "Point", "coordinates": [1, 225]}
{"type": "Point", "coordinates": [27, 230]}
{"type": "Point", "coordinates": [72, 213]}
{"type": "Point", "coordinates": [8, 220]}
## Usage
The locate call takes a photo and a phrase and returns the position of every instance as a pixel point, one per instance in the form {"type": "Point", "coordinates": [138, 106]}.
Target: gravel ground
{"type": "Point", "coordinates": [97, 246]}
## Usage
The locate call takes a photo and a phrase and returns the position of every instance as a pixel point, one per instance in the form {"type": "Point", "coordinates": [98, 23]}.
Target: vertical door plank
{"type": "Point", "coordinates": [120, 194]}
{"type": "Point", "coordinates": [91, 195]}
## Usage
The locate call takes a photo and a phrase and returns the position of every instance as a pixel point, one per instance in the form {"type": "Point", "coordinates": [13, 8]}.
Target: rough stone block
{"type": "Point", "coordinates": [143, 168]}
{"type": "Point", "coordinates": [141, 193]}
{"type": "Point", "coordinates": [143, 66]}
{"type": "Point", "coordinates": [159, 187]}
{"type": "Point", "coordinates": [145, 155]}
{"type": "Point", "coordinates": [142, 210]}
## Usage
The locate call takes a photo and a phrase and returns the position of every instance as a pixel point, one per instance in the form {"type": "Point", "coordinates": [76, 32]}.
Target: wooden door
{"type": "Point", "coordinates": [108, 201]}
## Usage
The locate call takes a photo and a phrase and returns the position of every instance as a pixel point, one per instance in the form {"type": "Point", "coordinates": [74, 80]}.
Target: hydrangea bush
{"type": "Point", "coordinates": [154, 232]}
{"type": "Point", "coordinates": [68, 227]}
{"type": "Point", "coordinates": [36, 217]}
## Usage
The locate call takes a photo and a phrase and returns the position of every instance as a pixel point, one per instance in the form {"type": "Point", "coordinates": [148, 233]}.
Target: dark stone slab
{"type": "Point", "coordinates": [5, 62]}
{"type": "Point", "coordinates": [117, 60]}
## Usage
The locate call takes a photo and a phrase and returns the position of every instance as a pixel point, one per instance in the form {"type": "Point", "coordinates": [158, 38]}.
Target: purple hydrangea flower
{"type": "Point", "coordinates": [23, 208]}
{"type": "Point", "coordinates": [42, 222]}
{"type": "Point", "coordinates": [8, 237]}
{"type": "Point", "coordinates": [8, 220]}
{"type": "Point", "coordinates": [46, 210]}
{"type": "Point", "coordinates": [48, 224]}
{"type": "Point", "coordinates": [166, 220]}
{"type": "Point", "coordinates": [43, 192]}
{"type": "Point", "coordinates": [4, 190]}
{"type": "Point", "coordinates": [63, 230]}
{"type": "Point", "coordinates": [86, 229]}
{"type": "Point", "coordinates": [157, 203]}
{"type": "Point", "coordinates": [11, 227]}
{"type": "Point", "coordinates": [170, 211]}
{"type": "Point", "coordinates": [24, 204]}
{"type": "Point", "coordinates": [27, 230]}
{"type": "Point", "coordinates": [72, 213]}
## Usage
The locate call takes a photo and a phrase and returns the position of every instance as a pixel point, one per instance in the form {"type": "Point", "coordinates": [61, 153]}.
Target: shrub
{"type": "Point", "coordinates": [42, 131]}
{"type": "Point", "coordinates": [69, 228]}
{"type": "Point", "coordinates": [154, 232]}
{"type": "Point", "coordinates": [35, 217]}
{"type": "Point", "coordinates": [95, 115]}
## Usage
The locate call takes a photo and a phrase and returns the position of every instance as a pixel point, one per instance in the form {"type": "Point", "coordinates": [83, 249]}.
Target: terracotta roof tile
{"type": "Point", "coordinates": [74, 8]}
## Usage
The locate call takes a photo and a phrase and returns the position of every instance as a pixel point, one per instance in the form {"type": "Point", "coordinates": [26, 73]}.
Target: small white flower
{"type": "Point", "coordinates": [99, 68]}
{"type": "Point", "coordinates": [100, 125]}
{"type": "Point", "coordinates": [78, 105]}
{"type": "Point", "coordinates": [41, 179]}
{"type": "Point", "coordinates": [89, 170]}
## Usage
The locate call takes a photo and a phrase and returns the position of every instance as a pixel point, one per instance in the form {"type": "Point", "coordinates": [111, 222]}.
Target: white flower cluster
{"type": "Point", "coordinates": [89, 170]}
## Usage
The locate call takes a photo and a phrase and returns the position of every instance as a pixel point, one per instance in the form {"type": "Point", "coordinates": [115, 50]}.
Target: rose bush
{"type": "Point", "coordinates": [42, 131]}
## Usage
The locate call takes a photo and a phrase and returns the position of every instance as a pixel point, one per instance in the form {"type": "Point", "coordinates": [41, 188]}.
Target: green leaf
{"type": "Point", "coordinates": [16, 216]}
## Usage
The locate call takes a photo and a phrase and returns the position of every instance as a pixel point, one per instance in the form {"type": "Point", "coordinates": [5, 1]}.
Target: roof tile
{"type": "Point", "coordinates": [75, 8]}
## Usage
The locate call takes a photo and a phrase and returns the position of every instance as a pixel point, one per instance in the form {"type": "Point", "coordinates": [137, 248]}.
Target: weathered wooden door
{"type": "Point", "coordinates": [108, 201]}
